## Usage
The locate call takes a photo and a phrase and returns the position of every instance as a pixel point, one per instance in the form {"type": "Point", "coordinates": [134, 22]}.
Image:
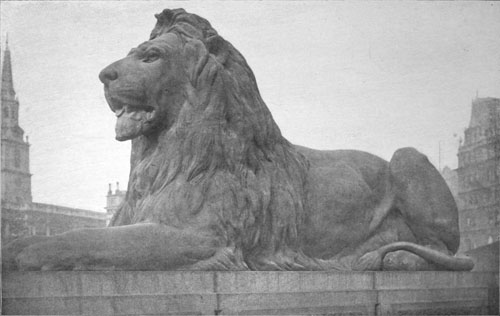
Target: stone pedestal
{"type": "Point", "coordinates": [249, 293]}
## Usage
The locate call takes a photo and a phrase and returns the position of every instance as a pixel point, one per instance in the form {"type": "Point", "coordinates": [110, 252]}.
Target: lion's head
{"type": "Point", "coordinates": [206, 152]}
{"type": "Point", "coordinates": [169, 81]}
{"type": "Point", "coordinates": [145, 90]}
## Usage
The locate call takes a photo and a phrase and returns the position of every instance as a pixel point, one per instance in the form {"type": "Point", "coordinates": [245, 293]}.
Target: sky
{"type": "Point", "coordinates": [372, 76]}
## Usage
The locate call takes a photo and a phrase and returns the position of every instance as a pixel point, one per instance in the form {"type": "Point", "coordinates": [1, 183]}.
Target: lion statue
{"type": "Point", "coordinates": [214, 185]}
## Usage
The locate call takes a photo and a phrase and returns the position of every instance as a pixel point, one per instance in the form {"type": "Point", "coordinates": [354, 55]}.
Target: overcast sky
{"type": "Point", "coordinates": [373, 76]}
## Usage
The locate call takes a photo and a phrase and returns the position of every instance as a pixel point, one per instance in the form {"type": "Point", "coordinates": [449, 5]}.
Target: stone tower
{"type": "Point", "coordinates": [16, 177]}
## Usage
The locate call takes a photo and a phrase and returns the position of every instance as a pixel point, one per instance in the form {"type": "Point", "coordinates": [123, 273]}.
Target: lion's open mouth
{"type": "Point", "coordinates": [131, 120]}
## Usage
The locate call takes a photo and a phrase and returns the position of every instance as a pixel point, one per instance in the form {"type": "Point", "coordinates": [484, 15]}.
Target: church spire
{"type": "Point", "coordinates": [8, 92]}
{"type": "Point", "coordinates": [15, 176]}
{"type": "Point", "coordinates": [10, 104]}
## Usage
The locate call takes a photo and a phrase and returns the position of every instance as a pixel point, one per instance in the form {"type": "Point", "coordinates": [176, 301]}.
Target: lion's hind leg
{"type": "Point", "coordinates": [425, 204]}
{"type": "Point", "coordinates": [424, 201]}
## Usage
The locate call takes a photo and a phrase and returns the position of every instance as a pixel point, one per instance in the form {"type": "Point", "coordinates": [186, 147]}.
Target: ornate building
{"type": "Point", "coordinates": [20, 216]}
{"type": "Point", "coordinates": [478, 176]}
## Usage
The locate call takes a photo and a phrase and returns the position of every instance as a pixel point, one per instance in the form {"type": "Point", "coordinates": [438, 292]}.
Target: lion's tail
{"type": "Point", "coordinates": [436, 257]}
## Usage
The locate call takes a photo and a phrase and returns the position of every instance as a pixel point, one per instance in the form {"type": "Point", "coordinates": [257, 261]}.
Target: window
{"type": "Point", "coordinates": [491, 218]}
{"type": "Point", "coordinates": [17, 158]}
{"type": "Point", "coordinates": [491, 174]}
{"type": "Point", "coordinates": [472, 200]}
{"type": "Point", "coordinates": [471, 221]}
{"type": "Point", "coordinates": [468, 244]}
{"type": "Point", "coordinates": [5, 112]}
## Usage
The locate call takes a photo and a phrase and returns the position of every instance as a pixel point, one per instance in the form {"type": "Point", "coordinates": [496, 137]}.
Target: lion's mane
{"type": "Point", "coordinates": [224, 165]}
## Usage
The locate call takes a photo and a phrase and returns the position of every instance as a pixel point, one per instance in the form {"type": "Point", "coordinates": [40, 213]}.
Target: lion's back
{"type": "Point", "coordinates": [371, 168]}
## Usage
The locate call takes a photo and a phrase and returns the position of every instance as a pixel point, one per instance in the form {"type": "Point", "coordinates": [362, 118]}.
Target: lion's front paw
{"type": "Point", "coordinates": [14, 248]}
{"type": "Point", "coordinates": [47, 255]}
{"type": "Point", "coordinates": [28, 260]}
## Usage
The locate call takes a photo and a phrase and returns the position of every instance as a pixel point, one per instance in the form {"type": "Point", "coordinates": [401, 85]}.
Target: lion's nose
{"type": "Point", "coordinates": [108, 74]}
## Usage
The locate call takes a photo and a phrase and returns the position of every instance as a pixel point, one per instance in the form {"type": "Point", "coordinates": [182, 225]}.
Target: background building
{"type": "Point", "coordinates": [114, 200]}
{"type": "Point", "coordinates": [20, 216]}
{"type": "Point", "coordinates": [478, 176]}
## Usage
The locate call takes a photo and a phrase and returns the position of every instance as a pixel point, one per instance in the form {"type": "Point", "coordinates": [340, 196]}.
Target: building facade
{"type": "Point", "coordinates": [478, 176]}
{"type": "Point", "coordinates": [20, 216]}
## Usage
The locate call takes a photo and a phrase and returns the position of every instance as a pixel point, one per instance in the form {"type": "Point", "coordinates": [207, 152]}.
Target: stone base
{"type": "Point", "coordinates": [249, 293]}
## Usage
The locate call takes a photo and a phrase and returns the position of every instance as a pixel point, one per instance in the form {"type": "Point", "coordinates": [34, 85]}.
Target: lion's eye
{"type": "Point", "coordinates": [151, 56]}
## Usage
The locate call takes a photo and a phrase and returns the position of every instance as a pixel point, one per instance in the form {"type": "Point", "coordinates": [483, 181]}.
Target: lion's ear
{"type": "Point", "coordinates": [218, 47]}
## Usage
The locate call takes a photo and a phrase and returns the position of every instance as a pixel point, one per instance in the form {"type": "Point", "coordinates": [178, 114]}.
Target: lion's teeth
{"type": "Point", "coordinates": [119, 112]}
